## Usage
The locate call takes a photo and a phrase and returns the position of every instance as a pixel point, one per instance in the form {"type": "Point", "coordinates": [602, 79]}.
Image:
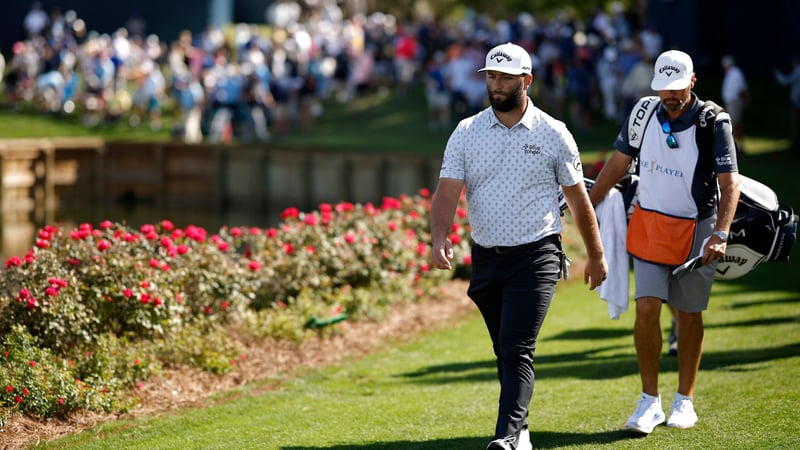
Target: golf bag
{"type": "Point", "coordinates": [762, 230]}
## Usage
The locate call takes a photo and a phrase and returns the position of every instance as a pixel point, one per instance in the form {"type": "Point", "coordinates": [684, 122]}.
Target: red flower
{"type": "Point", "coordinates": [14, 261]}
{"type": "Point", "coordinates": [392, 226]}
{"type": "Point", "coordinates": [9, 389]}
{"type": "Point", "coordinates": [41, 243]}
{"type": "Point", "coordinates": [272, 232]}
{"type": "Point", "coordinates": [254, 266]}
{"type": "Point", "coordinates": [147, 228]}
{"type": "Point", "coordinates": [345, 207]}
{"type": "Point", "coordinates": [127, 293]}
{"type": "Point", "coordinates": [425, 192]}
{"type": "Point", "coordinates": [310, 249]}
{"type": "Point", "coordinates": [183, 249]}
{"type": "Point", "coordinates": [225, 304]}
{"type": "Point", "coordinates": [18, 399]}
{"type": "Point", "coordinates": [455, 238]}
{"type": "Point", "coordinates": [32, 363]}
{"type": "Point", "coordinates": [61, 400]}
{"type": "Point", "coordinates": [290, 213]}
{"type": "Point", "coordinates": [196, 233]}
{"type": "Point", "coordinates": [25, 392]}
{"type": "Point", "coordinates": [103, 245]}
{"type": "Point", "coordinates": [236, 231]}
{"type": "Point", "coordinates": [310, 219]}
{"type": "Point", "coordinates": [349, 237]}
{"type": "Point", "coordinates": [106, 224]}
{"type": "Point", "coordinates": [223, 246]}
{"type": "Point", "coordinates": [468, 260]}
{"type": "Point", "coordinates": [390, 203]}
{"type": "Point", "coordinates": [167, 225]}
{"type": "Point", "coordinates": [325, 207]}
{"type": "Point", "coordinates": [461, 213]}
{"type": "Point", "coordinates": [288, 248]}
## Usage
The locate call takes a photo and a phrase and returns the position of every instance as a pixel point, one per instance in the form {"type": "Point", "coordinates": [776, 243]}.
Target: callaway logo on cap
{"type": "Point", "coordinates": [672, 72]}
{"type": "Point", "coordinates": [508, 58]}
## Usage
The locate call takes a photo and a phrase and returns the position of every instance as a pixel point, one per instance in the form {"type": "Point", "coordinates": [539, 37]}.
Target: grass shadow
{"type": "Point", "coordinates": [541, 439]}
{"type": "Point", "coordinates": [785, 301]}
{"type": "Point", "coordinates": [591, 334]}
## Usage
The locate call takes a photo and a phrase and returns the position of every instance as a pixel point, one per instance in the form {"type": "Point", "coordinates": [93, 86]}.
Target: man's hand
{"type": "Point", "coordinates": [595, 273]}
{"type": "Point", "coordinates": [442, 254]}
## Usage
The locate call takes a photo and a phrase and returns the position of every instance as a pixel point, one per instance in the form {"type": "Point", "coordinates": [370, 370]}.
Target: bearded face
{"type": "Point", "coordinates": [507, 94]}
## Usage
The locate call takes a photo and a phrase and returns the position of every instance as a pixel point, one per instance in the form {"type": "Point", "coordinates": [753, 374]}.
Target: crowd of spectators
{"type": "Point", "coordinates": [255, 82]}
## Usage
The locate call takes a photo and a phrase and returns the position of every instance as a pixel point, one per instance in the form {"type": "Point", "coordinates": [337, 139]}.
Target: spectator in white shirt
{"type": "Point", "coordinates": [735, 97]}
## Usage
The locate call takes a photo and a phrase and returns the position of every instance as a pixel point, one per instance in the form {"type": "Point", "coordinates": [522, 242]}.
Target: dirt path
{"type": "Point", "coordinates": [189, 388]}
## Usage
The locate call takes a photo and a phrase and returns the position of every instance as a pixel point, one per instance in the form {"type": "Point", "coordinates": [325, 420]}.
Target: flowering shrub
{"type": "Point", "coordinates": [108, 305]}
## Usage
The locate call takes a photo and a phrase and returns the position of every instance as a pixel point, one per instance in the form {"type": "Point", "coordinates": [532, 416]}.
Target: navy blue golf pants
{"type": "Point", "coordinates": [513, 287]}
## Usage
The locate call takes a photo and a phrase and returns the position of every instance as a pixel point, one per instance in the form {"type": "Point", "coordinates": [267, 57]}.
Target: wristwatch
{"type": "Point", "coordinates": [721, 234]}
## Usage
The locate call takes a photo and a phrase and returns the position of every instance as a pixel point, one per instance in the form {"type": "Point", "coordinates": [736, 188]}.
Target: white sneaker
{"type": "Point", "coordinates": [500, 444]}
{"type": "Point", "coordinates": [524, 440]}
{"type": "Point", "coordinates": [683, 415]}
{"type": "Point", "coordinates": [523, 443]}
{"type": "Point", "coordinates": [647, 415]}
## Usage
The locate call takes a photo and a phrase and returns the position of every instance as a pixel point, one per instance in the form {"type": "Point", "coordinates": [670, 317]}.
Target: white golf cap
{"type": "Point", "coordinates": [672, 72]}
{"type": "Point", "coordinates": [508, 58]}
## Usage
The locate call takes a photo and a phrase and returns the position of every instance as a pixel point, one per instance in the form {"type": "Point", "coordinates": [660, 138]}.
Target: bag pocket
{"type": "Point", "coordinates": [660, 238]}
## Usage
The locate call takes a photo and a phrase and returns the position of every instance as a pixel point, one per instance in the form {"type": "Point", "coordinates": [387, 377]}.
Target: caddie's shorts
{"type": "Point", "coordinates": [691, 292]}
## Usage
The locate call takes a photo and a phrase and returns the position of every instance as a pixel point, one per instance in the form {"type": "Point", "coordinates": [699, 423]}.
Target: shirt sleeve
{"type": "Point", "coordinates": [621, 143]}
{"type": "Point", "coordinates": [569, 170]}
{"type": "Point", "coordinates": [724, 147]}
{"type": "Point", "coordinates": [453, 162]}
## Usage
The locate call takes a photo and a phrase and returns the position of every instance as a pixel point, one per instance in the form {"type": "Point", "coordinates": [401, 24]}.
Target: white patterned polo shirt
{"type": "Point", "coordinates": [512, 175]}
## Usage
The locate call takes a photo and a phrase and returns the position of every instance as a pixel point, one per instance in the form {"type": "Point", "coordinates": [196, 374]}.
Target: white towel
{"type": "Point", "coordinates": [613, 229]}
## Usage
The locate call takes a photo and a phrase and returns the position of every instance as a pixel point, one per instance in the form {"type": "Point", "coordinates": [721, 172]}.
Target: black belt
{"type": "Point", "coordinates": [501, 249]}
